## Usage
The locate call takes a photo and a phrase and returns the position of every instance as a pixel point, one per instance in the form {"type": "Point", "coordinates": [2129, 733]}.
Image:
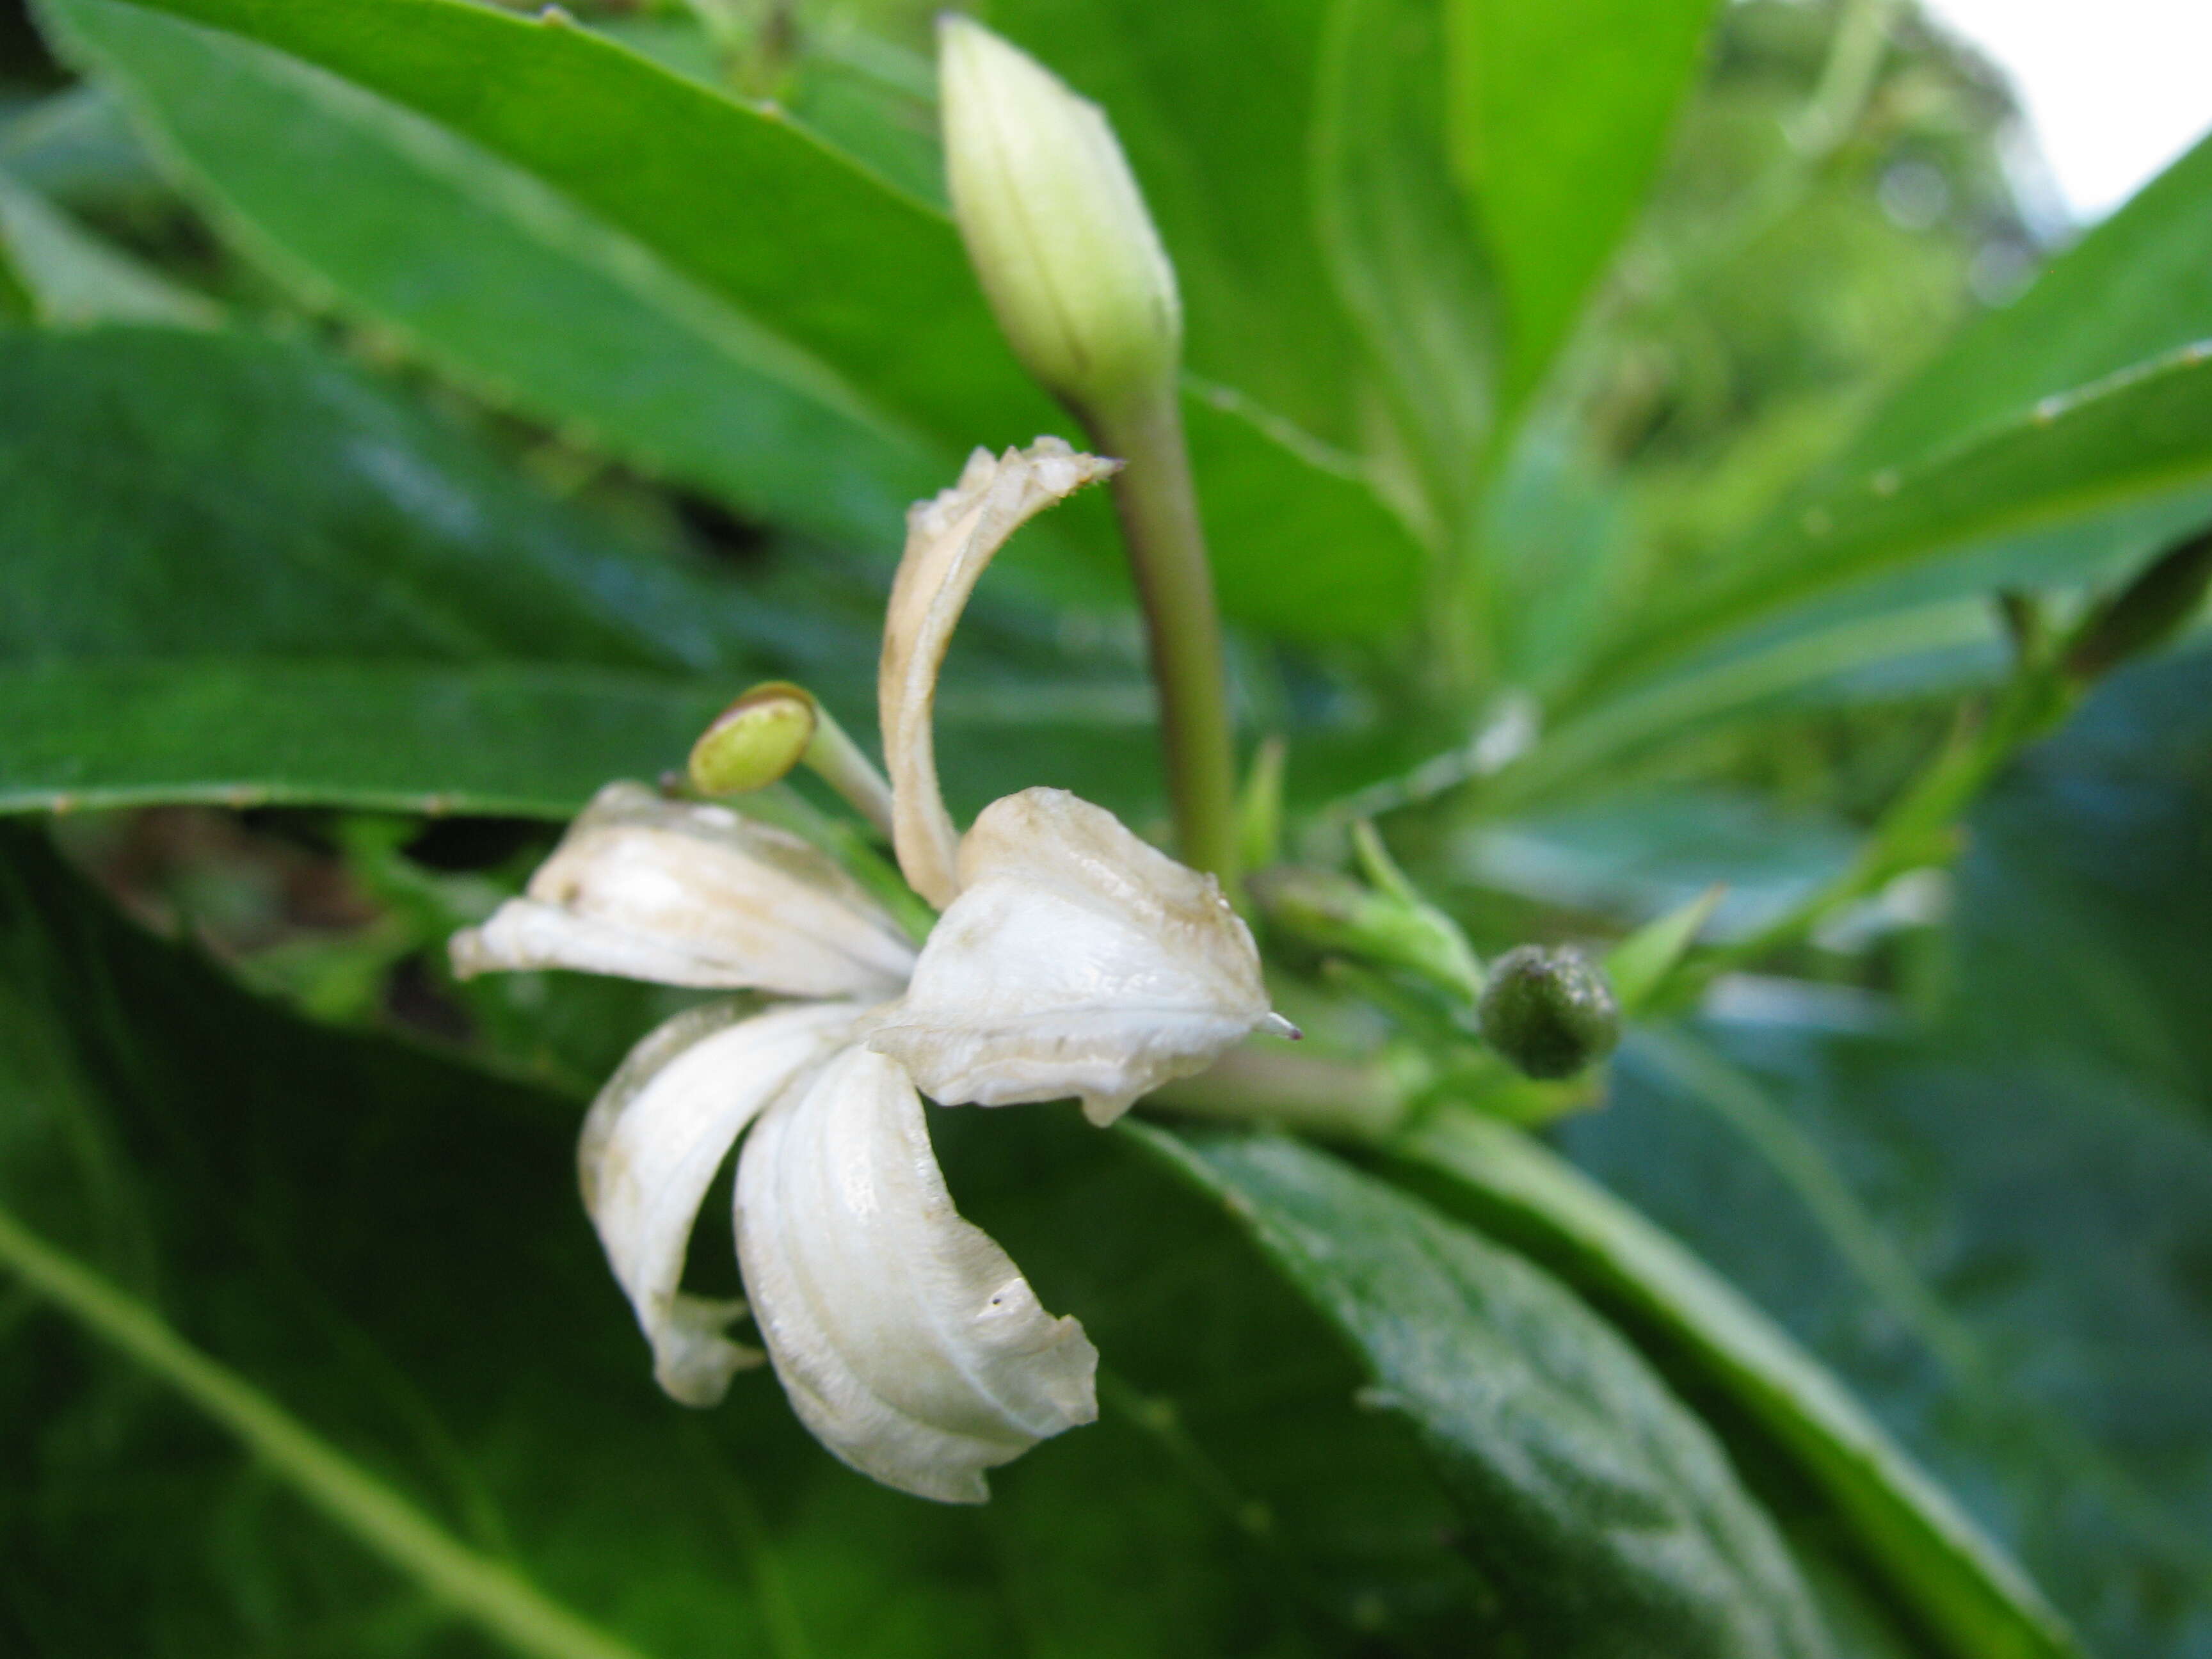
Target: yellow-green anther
{"type": "Point", "coordinates": [1055, 224]}
{"type": "Point", "coordinates": [755, 741]}
{"type": "Point", "coordinates": [1550, 1013]}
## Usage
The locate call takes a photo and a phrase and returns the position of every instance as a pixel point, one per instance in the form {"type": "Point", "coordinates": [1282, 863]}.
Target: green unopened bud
{"type": "Point", "coordinates": [755, 741]}
{"type": "Point", "coordinates": [1333, 912]}
{"type": "Point", "coordinates": [1055, 224]}
{"type": "Point", "coordinates": [2146, 613]}
{"type": "Point", "coordinates": [1549, 1012]}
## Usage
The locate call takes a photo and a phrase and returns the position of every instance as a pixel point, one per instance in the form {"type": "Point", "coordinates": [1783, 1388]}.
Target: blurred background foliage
{"type": "Point", "coordinates": [407, 425]}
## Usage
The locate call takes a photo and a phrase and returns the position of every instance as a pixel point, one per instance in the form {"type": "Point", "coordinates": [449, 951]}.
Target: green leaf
{"type": "Point", "coordinates": [1301, 543]}
{"type": "Point", "coordinates": [1997, 1254]}
{"type": "Point", "coordinates": [784, 231]}
{"type": "Point", "coordinates": [1640, 963]}
{"type": "Point", "coordinates": [2143, 432]}
{"type": "Point", "coordinates": [240, 494]}
{"type": "Point", "coordinates": [703, 287]}
{"type": "Point", "coordinates": [2086, 893]}
{"type": "Point", "coordinates": [1403, 254]}
{"type": "Point", "coordinates": [1608, 1515]}
{"type": "Point", "coordinates": [1933, 1557]}
{"type": "Point", "coordinates": [2055, 437]}
{"type": "Point", "coordinates": [2109, 461]}
{"type": "Point", "coordinates": [500, 738]}
{"type": "Point", "coordinates": [308, 590]}
{"type": "Point", "coordinates": [2138, 287]}
{"type": "Point", "coordinates": [239, 570]}
{"type": "Point", "coordinates": [1560, 114]}
{"type": "Point", "coordinates": [73, 277]}
{"type": "Point", "coordinates": [505, 285]}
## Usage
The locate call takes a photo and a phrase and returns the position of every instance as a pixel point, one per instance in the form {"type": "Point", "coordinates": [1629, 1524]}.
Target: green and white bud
{"type": "Point", "coordinates": [755, 741]}
{"type": "Point", "coordinates": [1550, 1013]}
{"type": "Point", "coordinates": [1055, 226]}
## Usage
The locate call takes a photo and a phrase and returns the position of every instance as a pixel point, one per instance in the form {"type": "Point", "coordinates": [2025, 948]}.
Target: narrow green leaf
{"type": "Point", "coordinates": [1639, 965]}
{"type": "Point", "coordinates": [73, 277]}
{"type": "Point", "coordinates": [1855, 583]}
{"type": "Point", "coordinates": [503, 284]}
{"type": "Point", "coordinates": [1600, 1506]}
{"type": "Point", "coordinates": [1560, 114]}
{"type": "Point", "coordinates": [165, 494]}
{"type": "Point", "coordinates": [729, 195]}
{"type": "Point", "coordinates": [2137, 286]}
{"type": "Point", "coordinates": [1945, 647]}
{"type": "Point", "coordinates": [239, 571]}
{"type": "Point", "coordinates": [506, 738]}
{"type": "Point", "coordinates": [2142, 432]}
{"type": "Point", "coordinates": [1930, 1553]}
{"type": "Point", "coordinates": [2051, 434]}
{"type": "Point", "coordinates": [693, 281]}
{"type": "Point", "coordinates": [1402, 249]}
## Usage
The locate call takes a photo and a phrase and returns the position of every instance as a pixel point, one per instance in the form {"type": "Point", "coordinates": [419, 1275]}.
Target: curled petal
{"type": "Point", "coordinates": [1076, 961]}
{"type": "Point", "coordinates": [683, 894]}
{"type": "Point", "coordinates": [909, 1341]}
{"type": "Point", "coordinates": [948, 540]}
{"type": "Point", "coordinates": [650, 1148]}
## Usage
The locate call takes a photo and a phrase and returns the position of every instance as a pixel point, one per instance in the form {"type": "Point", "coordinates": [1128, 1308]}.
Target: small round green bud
{"type": "Point", "coordinates": [755, 741]}
{"type": "Point", "coordinates": [1055, 224]}
{"type": "Point", "coordinates": [1550, 1012]}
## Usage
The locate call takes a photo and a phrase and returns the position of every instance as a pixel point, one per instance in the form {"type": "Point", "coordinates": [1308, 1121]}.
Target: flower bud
{"type": "Point", "coordinates": [755, 741]}
{"type": "Point", "coordinates": [1055, 224]}
{"type": "Point", "coordinates": [1549, 1012]}
{"type": "Point", "coordinates": [2146, 613]}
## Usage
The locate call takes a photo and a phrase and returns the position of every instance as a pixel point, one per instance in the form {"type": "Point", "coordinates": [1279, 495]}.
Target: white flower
{"type": "Point", "coordinates": [1070, 959]}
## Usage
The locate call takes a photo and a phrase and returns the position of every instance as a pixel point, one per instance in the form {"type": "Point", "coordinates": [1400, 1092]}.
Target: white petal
{"type": "Point", "coordinates": [650, 1148]}
{"type": "Point", "coordinates": [948, 540]}
{"type": "Point", "coordinates": [908, 1340]}
{"type": "Point", "coordinates": [1076, 961]}
{"type": "Point", "coordinates": [684, 894]}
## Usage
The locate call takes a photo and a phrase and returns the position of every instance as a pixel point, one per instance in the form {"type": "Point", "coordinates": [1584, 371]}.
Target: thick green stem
{"type": "Point", "coordinates": [1158, 508]}
{"type": "Point", "coordinates": [504, 1605]}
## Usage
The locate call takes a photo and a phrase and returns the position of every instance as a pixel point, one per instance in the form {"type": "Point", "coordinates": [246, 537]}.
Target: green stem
{"type": "Point", "coordinates": [1920, 828]}
{"type": "Point", "coordinates": [496, 1599]}
{"type": "Point", "coordinates": [1158, 508]}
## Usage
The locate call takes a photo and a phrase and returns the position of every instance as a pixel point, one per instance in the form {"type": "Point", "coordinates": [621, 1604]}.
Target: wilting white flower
{"type": "Point", "coordinates": [1072, 959]}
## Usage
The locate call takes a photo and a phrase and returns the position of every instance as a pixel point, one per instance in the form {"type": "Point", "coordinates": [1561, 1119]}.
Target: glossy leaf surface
{"type": "Point", "coordinates": [1614, 1521]}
